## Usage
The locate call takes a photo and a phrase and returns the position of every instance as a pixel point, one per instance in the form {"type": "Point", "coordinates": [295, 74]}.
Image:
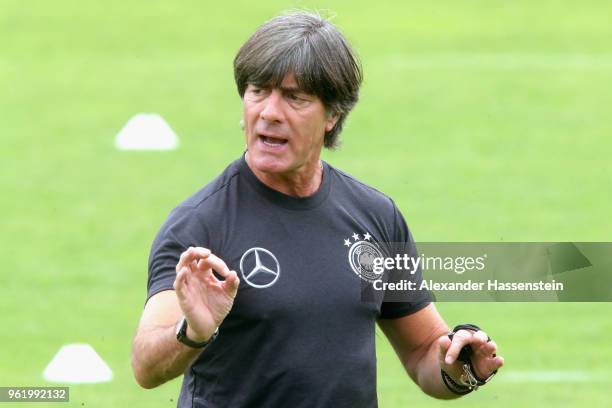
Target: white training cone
{"type": "Point", "coordinates": [77, 363]}
{"type": "Point", "coordinates": [146, 131]}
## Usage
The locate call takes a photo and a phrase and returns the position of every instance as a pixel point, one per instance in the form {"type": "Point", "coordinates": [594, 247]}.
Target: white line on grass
{"type": "Point", "coordinates": [552, 376]}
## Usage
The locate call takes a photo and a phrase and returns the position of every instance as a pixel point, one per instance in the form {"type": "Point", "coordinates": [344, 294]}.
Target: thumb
{"type": "Point", "coordinates": [444, 343]}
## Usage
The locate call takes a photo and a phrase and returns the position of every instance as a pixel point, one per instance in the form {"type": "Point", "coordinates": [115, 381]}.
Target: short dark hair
{"type": "Point", "coordinates": [318, 55]}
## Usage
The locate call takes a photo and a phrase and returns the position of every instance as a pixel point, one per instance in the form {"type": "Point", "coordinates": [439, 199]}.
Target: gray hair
{"type": "Point", "coordinates": [314, 51]}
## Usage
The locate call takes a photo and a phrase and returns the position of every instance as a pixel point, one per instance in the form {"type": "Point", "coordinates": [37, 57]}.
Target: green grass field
{"type": "Point", "coordinates": [485, 120]}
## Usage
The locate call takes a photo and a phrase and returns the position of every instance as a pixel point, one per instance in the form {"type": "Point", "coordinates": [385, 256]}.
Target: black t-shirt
{"type": "Point", "coordinates": [300, 333]}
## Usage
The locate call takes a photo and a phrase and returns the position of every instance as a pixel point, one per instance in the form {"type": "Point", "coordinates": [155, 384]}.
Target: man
{"type": "Point", "coordinates": [250, 293]}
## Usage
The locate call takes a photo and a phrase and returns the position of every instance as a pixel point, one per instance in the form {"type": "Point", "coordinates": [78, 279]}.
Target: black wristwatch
{"type": "Point", "coordinates": [181, 335]}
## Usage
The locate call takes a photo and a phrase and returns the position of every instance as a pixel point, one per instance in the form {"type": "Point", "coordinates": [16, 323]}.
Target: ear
{"type": "Point", "coordinates": [331, 122]}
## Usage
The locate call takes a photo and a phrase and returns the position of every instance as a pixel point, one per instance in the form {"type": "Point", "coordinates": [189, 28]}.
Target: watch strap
{"type": "Point", "coordinates": [181, 335]}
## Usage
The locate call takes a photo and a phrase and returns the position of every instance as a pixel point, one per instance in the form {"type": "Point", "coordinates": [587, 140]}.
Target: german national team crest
{"type": "Point", "coordinates": [361, 255]}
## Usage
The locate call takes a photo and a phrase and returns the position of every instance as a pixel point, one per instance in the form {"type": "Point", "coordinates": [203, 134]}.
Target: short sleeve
{"type": "Point", "coordinates": [404, 304]}
{"type": "Point", "coordinates": [182, 229]}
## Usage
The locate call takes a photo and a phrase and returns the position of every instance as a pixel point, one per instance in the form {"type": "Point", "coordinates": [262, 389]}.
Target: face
{"type": "Point", "coordinates": [284, 128]}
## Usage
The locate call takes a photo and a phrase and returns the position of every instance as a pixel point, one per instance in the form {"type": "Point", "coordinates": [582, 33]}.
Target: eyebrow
{"type": "Point", "coordinates": [283, 88]}
{"type": "Point", "coordinates": [296, 89]}
{"type": "Point", "coordinates": [286, 89]}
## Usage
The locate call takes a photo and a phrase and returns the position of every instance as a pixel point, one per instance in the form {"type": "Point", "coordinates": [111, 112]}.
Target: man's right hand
{"type": "Point", "coordinates": [204, 299]}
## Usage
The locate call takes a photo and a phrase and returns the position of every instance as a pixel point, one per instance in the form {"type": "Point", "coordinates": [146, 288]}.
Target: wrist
{"type": "Point", "coordinates": [189, 338]}
{"type": "Point", "coordinates": [456, 386]}
{"type": "Point", "coordinates": [192, 335]}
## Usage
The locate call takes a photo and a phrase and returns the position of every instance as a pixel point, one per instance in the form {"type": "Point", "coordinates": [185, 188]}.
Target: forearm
{"type": "Point", "coordinates": [157, 356]}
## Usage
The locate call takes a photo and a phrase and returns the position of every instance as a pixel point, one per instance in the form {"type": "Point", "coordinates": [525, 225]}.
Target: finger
{"type": "Point", "coordinates": [479, 338]}
{"type": "Point", "coordinates": [179, 281]}
{"type": "Point", "coordinates": [190, 254]}
{"type": "Point", "coordinates": [444, 343]}
{"type": "Point", "coordinates": [460, 339]}
{"type": "Point", "coordinates": [205, 273]}
{"type": "Point", "coordinates": [494, 364]}
{"type": "Point", "coordinates": [487, 365]}
{"type": "Point", "coordinates": [185, 259]}
{"type": "Point", "coordinates": [231, 283]}
{"type": "Point", "coordinates": [491, 347]}
{"type": "Point", "coordinates": [499, 362]}
{"type": "Point", "coordinates": [214, 262]}
{"type": "Point", "coordinates": [204, 267]}
{"type": "Point", "coordinates": [485, 350]}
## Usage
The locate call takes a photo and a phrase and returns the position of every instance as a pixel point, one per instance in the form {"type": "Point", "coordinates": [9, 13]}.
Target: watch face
{"type": "Point", "coordinates": [181, 328]}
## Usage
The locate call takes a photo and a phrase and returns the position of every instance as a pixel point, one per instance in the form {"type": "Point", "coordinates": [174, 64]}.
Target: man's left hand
{"type": "Point", "coordinates": [484, 358]}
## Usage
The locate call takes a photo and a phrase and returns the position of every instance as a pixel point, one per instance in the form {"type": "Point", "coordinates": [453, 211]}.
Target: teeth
{"type": "Point", "coordinates": [272, 141]}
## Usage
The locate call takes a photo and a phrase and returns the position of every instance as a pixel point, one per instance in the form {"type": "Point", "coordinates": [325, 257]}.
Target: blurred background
{"type": "Point", "coordinates": [484, 120]}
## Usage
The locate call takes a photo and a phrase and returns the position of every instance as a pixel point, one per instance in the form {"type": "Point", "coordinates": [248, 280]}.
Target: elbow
{"type": "Point", "coordinates": [146, 385]}
{"type": "Point", "coordinates": [145, 381]}
{"type": "Point", "coordinates": [143, 376]}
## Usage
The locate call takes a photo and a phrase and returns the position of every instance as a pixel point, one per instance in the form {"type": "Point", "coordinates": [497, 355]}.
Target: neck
{"type": "Point", "coordinates": [303, 182]}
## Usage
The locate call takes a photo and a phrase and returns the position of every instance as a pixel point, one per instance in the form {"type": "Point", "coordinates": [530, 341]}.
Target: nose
{"type": "Point", "coordinates": [272, 110]}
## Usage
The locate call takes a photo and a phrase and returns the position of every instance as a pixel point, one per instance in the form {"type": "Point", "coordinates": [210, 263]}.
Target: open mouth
{"type": "Point", "coordinates": [273, 141]}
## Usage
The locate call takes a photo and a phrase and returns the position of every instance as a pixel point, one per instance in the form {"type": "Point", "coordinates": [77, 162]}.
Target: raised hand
{"type": "Point", "coordinates": [204, 299]}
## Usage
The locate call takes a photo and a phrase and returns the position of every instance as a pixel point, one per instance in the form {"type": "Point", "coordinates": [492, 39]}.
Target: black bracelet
{"type": "Point", "coordinates": [453, 386]}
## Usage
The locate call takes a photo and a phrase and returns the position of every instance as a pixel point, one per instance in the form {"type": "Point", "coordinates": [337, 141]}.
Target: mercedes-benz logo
{"type": "Point", "coordinates": [262, 267]}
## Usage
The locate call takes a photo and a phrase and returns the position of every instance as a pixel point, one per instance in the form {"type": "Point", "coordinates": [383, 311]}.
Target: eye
{"type": "Point", "coordinates": [297, 99]}
{"type": "Point", "coordinates": [256, 93]}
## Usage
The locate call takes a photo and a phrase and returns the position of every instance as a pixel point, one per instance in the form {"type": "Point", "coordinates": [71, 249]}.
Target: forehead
{"type": "Point", "coordinates": [289, 82]}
